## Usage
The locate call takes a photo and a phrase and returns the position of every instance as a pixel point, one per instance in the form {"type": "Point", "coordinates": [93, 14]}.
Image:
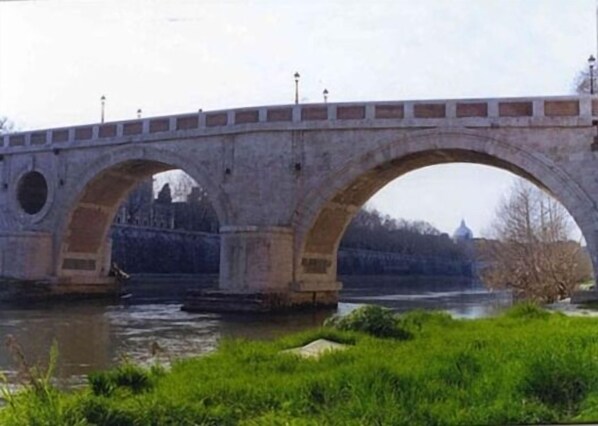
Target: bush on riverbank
{"type": "Point", "coordinates": [373, 320]}
{"type": "Point", "coordinates": [526, 366]}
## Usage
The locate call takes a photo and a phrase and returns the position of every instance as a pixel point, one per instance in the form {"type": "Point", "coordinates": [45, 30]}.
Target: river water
{"type": "Point", "coordinates": [97, 335]}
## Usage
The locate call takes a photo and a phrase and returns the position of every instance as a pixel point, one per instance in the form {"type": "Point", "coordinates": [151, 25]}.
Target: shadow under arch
{"type": "Point", "coordinates": [324, 213]}
{"type": "Point", "coordinates": [82, 246]}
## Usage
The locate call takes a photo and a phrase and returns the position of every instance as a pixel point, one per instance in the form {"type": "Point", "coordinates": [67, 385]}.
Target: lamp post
{"type": "Point", "coordinates": [325, 93]}
{"type": "Point", "coordinates": [296, 87]}
{"type": "Point", "coordinates": [103, 100]}
{"type": "Point", "coordinates": [139, 113]}
{"type": "Point", "coordinates": [591, 62]}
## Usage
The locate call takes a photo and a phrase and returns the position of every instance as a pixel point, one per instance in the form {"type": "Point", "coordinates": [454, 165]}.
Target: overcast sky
{"type": "Point", "coordinates": [57, 58]}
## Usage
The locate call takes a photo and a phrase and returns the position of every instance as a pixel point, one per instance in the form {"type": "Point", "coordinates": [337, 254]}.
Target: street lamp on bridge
{"type": "Point", "coordinates": [103, 100]}
{"type": "Point", "coordinates": [591, 62]}
{"type": "Point", "coordinates": [325, 93]}
{"type": "Point", "coordinates": [296, 87]}
{"type": "Point", "coordinates": [139, 113]}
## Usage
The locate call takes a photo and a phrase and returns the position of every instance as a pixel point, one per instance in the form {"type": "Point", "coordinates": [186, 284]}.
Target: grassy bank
{"type": "Point", "coordinates": [527, 366]}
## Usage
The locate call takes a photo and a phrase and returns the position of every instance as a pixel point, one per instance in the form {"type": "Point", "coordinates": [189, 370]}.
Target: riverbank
{"type": "Point", "coordinates": [526, 366]}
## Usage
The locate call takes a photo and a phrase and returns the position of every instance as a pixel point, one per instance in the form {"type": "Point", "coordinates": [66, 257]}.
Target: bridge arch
{"type": "Point", "coordinates": [324, 212]}
{"type": "Point", "coordinates": [99, 189]}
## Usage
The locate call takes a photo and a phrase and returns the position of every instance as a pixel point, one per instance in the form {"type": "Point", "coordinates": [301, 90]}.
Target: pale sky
{"type": "Point", "coordinates": [57, 58]}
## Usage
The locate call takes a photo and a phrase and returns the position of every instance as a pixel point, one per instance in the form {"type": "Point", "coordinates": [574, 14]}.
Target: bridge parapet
{"type": "Point", "coordinates": [498, 112]}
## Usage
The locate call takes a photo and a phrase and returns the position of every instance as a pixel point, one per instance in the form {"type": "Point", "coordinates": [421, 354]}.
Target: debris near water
{"type": "Point", "coordinates": [116, 271]}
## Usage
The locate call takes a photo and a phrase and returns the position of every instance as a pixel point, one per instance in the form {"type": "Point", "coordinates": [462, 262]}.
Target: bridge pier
{"type": "Point", "coordinates": [256, 275]}
{"type": "Point", "coordinates": [26, 255]}
{"type": "Point", "coordinates": [28, 271]}
{"type": "Point", "coordinates": [254, 258]}
{"type": "Point", "coordinates": [85, 273]}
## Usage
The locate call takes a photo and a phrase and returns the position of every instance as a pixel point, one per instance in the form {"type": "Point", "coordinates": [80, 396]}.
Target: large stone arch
{"type": "Point", "coordinates": [323, 214]}
{"type": "Point", "coordinates": [92, 201]}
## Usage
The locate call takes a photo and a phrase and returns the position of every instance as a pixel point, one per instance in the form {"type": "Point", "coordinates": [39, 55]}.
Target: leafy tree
{"type": "Point", "coordinates": [532, 253]}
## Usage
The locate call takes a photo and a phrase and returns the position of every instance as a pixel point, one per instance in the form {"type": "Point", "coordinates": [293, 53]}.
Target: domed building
{"type": "Point", "coordinates": [462, 233]}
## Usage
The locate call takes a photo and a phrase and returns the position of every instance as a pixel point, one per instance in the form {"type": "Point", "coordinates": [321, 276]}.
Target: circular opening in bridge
{"type": "Point", "coordinates": [32, 192]}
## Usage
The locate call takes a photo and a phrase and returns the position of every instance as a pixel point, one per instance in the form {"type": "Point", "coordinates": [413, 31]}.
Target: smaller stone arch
{"type": "Point", "coordinates": [93, 198]}
{"type": "Point", "coordinates": [324, 213]}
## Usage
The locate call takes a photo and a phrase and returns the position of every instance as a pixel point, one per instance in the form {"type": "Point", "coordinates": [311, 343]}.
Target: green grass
{"type": "Point", "coordinates": [525, 367]}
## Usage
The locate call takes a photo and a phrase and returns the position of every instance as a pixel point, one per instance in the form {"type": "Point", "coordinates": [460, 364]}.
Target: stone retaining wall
{"type": "Point", "coordinates": [139, 249]}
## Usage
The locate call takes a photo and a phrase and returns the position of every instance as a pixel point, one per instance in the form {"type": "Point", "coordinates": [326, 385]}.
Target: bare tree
{"type": "Point", "coordinates": [6, 126]}
{"type": "Point", "coordinates": [582, 83]}
{"type": "Point", "coordinates": [532, 253]}
{"type": "Point", "coordinates": [181, 185]}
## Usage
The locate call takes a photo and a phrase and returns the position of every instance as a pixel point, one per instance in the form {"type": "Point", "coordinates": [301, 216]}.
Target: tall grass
{"type": "Point", "coordinates": [525, 367]}
{"type": "Point", "coordinates": [38, 402]}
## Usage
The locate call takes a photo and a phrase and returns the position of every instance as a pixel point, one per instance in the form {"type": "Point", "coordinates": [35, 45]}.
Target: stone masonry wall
{"type": "Point", "coordinates": [137, 249]}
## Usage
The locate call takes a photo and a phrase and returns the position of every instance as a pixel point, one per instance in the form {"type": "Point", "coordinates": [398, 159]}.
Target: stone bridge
{"type": "Point", "coordinates": [285, 181]}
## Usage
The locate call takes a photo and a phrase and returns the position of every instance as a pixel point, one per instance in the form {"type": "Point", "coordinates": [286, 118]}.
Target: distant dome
{"type": "Point", "coordinates": [463, 233]}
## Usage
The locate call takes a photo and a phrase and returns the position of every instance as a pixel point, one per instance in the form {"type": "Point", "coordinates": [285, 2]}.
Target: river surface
{"type": "Point", "coordinates": [97, 335]}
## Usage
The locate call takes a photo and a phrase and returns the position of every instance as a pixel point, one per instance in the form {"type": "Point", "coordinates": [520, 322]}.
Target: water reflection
{"type": "Point", "coordinates": [94, 336]}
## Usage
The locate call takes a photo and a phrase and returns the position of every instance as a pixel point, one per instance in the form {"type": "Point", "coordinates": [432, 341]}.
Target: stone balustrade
{"type": "Point", "coordinates": [518, 112]}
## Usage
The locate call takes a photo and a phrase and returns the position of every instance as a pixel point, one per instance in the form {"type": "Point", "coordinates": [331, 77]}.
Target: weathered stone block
{"type": "Point", "coordinates": [107, 131]}
{"type": "Point", "coordinates": [390, 111]}
{"type": "Point", "coordinates": [242, 117]}
{"type": "Point", "coordinates": [187, 122]}
{"type": "Point", "coordinates": [279, 114]}
{"type": "Point", "coordinates": [135, 128]}
{"type": "Point", "coordinates": [561, 108]}
{"type": "Point", "coordinates": [60, 136]}
{"type": "Point", "coordinates": [472, 109]}
{"type": "Point", "coordinates": [218, 119]}
{"type": "Point", "coordinates": [83, 133]}
{"type": "Point", "coordinates": [159, 125]}
{"type": "Point", "coordinates": [350, 112]}
{"type": "Point", "coordinates": [314, 113]}
{"type": "Point", "coordinates": [26, 255]}
{"type": "Point", "coordinates": [38, 138]}
{"type": "Point", "coordinates": [515, 109]}
{"type": "Point", "coordinates": [429, 110]}
{"type": "Point", "coordinates": [16, 140]}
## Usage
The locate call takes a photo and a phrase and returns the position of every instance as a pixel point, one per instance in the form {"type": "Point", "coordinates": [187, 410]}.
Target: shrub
{"type": "Point", "coordinates": [373, 320]}
{"type": "Point", "coordinates": [415, 320]}
{"type": "Point", "coordinates": [101, 383]}
{"type": "Point", "coordinates": [102, 412]}
{"type": "Point", "coordinates": [126, 375]}
{"type": "Point", "coordinates": [527, 310]}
